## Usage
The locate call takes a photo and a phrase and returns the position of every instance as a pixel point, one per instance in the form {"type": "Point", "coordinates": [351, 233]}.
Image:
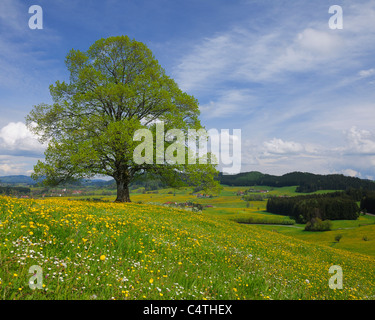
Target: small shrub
{"type": "Point", "coordinates": [316, 224]}
{"type": "Point", "coordinates": [338, 237]}
{"type": "Point", "coordinates": [365, 238]}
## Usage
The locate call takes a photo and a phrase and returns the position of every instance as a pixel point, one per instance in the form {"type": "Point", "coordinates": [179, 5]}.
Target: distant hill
{"type": "Point", "coordinates": [20, 179]}
{"type": "Point", "coordinates": [306, 182]}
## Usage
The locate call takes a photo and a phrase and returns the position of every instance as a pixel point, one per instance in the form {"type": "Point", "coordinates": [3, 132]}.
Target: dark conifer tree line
{"type": "Point", "coordinates": [330, 206]}
{"type": "Point", "coordinates": [368, 202]}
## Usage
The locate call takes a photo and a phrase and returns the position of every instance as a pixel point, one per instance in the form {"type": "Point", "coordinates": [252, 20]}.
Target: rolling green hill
{"type": "Point", "coordinates": [306, 182]}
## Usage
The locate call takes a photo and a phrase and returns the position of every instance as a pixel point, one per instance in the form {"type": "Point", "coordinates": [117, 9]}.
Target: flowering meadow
{"type": "Point", "coordinates": [100, 251]}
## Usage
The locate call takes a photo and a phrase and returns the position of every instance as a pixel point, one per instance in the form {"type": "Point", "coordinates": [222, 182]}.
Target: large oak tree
{"type": "Point", "coordinates": [116, 87]}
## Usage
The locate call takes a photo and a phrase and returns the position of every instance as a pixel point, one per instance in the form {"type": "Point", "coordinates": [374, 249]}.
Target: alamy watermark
{"type": "Point", "coordinates": [36, 280]}
{"type": "Point", "coordinates": [36, 20]}
{"type": "Point", "coordinates": [189, 147]}
{"type": "Point", "coordinates": [336, 281]}
{"type": "Point", "coordinates": [336, 21]}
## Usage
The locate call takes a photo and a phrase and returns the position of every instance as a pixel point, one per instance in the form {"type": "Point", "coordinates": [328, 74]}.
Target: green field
{"type": "Point", "coordinates": [357, 236]}
{"type": "Point", "coordinates": [104, 250]}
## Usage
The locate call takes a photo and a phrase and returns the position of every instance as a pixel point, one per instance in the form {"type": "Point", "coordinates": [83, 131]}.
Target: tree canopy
{"type": "Point", "coordinates": [116, 87]}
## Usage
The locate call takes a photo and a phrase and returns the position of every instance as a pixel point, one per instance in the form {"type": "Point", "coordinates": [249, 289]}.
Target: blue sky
{"type": "Point", "coordinates": [301, 93]}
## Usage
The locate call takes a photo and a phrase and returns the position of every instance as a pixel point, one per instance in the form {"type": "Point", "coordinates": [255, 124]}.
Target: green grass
{"type": "Point", "coordinates": [353, 235]}
{"type": "Point", "coordinates": [139, 251]}
{"type": "Point", "coordinates": [230, 206]}
{"type": "Point", "coordinates": [156, 252]}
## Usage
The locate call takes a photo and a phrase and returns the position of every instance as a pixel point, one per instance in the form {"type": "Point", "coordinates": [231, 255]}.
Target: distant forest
{"type": "Point", "coordinates": [340, 205]}
{"type": "Point", "coordinates": [14, 191]}
{"type": "Point", "coordinates": [330, 206]}
{"type": "Point", "coordinates": [368, 202]}
{"type": "Point", "coordinates": [306, 182]}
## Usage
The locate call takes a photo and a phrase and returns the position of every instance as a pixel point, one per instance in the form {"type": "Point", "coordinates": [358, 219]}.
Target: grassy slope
{"type": "Point", "coordinates": [229, 205]}
{"type": "Point", "coordinates": [154, 252]}
{"type": "Point", "coordinates": [357, 236]}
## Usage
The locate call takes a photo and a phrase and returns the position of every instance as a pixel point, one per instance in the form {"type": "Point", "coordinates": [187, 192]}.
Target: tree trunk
{"type": "Point", "coordinates": [122, 191]}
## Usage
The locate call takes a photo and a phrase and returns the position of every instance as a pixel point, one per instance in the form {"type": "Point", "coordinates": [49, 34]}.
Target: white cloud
{"type": "Point", "coordinates": [19, 149]}
{"type": "Point", "coordinates": [351, 173]}
{"type": "Point", "coordinates": [318, 42]}
{"type": "Point", "coordinates": [278, 146]}
{"type": "Point", "coordinates": [360, 141]}
{"type": "Point", "coordinates": [16, 165]}
{"type": "Point", "coordinates": [14, 169]}
{"type": "Point", "coordinates": [15, 138]}
{"type": "Point", "coordinates": [366, 73]}
{"type": "Point", "coordinates": [355, 156]}
{"type": "Point", "coordinates": [6, 168]}
{"type": "Point", "coordinates": [309, 49]}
